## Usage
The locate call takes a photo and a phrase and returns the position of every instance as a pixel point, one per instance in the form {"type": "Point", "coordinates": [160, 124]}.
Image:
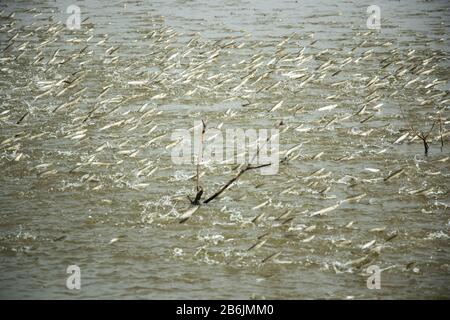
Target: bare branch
{"type": "Point", "coordinates": [230, 182]}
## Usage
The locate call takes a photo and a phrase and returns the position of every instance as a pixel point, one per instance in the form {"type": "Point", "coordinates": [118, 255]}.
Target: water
{"type": "Point", "coordinates": [109, 199]}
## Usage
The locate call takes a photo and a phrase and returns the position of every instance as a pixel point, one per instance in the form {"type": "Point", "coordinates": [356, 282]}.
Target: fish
{"type": "Point", "coordinates": [59, 238]}
{"type": "Point", "coordinates": [284, 215]}
{"type": "Point", "coordinates": [308, 239]}
{"type": "Point", "coordinates": [113, 240]}
{"type": "Point", "coordinates": [401, 138]}
{"type": "Point", "coordinates": [423, 191]}
{"type": "Point", "coordinates": [286, 221]}
{"type": "Point", "coordinates": [257, 245]}
{"type": "Point", "coordinates": [48, 173]}
{"type": "Point", "coordinates": [349, 225]}
{"type": "Point", "coordinates": [394, 174]}
{"type": "Point", "coordinates": [155, 139]}
{"type": "Point", "coordinates": [372, 81]}
{"type": "Point", "coordinates": [317, 156]}
{"type": "Point", "coordinates": [391, 237]}
{"type": "Point", "coordinates": [367, 119]}
{"type": "Point", "coordinates": [188, 213]}
{"type": "Point", "coordinates": [354, 198]}
{"type": "Point", "coordinates": [360, 262]}
{"type": "Point", "coordinates": [277, 106]}
{"type": "Point", "coordinates": [271, 257]}
{"type": "Point", "coordinates": [111, 125]}
{"type": "Point", "coordinates": [258, 217]}
{"type": "Point", "coordinates": [18, 157]}
{"type": "Point", "coordinates": [288, 152]}
{"type": "Point", "coordinates": [361, 111]}
{"type": "Point", "coordinates": [138, 82]}
{"type": "Point", "coordinates": [325, 210]}
{"type": "Point", "coordinates": [261, 205]}
{"type": "Point", "coordinates": [368, 244]}
{"type": "Point", "coordinates": [328, 108]}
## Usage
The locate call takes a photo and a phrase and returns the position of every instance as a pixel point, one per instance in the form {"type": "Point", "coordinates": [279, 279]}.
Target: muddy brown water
{"type": "Point", "coordinates": [87, 177]}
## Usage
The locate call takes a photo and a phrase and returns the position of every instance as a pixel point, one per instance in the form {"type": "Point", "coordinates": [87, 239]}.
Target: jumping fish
{"type": "Point", "coordinates": [394, 174]}
{"type": "Point", "coordinates": [326, 210]}
{"type": "Point", "coordinates": [188, 213]}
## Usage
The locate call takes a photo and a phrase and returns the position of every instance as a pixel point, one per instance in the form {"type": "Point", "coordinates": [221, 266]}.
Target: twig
{"type": "Point", "coordinates": [246, 168]}
{"type": "Point", "coordinates": [199, 189]}
{"type": "Point", "coordinates": [199, 156]}
{"type": "Point", "coordinates": [424, 138]}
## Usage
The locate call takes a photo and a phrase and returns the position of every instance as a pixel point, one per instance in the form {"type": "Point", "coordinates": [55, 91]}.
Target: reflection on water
{"type": "Point", "coordinates": [87, 179]}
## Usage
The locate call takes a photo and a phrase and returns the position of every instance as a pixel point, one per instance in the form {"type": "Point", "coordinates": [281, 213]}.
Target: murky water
{"type": "Point", "coordinates": [87, 179]}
